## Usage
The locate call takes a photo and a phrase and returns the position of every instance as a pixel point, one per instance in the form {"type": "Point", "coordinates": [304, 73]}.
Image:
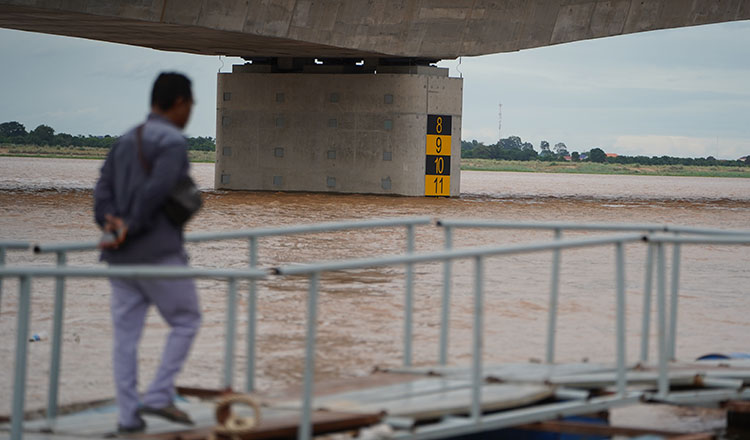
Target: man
{"type": "Point", "coordinates": [140, 171]}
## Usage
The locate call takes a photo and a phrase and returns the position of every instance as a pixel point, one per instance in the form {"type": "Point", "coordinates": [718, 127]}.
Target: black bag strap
{"type": "Point", "coordinates": [138, 139]}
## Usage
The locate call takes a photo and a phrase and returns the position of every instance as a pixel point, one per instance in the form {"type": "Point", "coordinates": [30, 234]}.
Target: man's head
{"type": "Point", "coordinates": [172, 98]}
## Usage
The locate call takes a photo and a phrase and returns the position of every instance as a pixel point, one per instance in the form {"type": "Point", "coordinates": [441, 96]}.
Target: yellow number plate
{"type": "Point", "coordinates": [438, 145]}
{"type": "Point", "coordinates": [437, 185]}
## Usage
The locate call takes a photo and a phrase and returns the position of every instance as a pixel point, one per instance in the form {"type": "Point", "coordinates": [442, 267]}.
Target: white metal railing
{"type": "Point", "coordinates": [667, 340]}
{"type": "Point", "coordinates": [477, 421]}
{"type": "Point", "coordinates": [449, 225]}
{"type": "Point", "coordinates": [61, 251]}
{"type": "Point", "coordinates": [25, 276]}
{"type": "Point", "coordinates": [657, 237]}
{"type": "Point", "coordinates": [5, 246]}
{"type": "Point", "coordinates": [313, 271]}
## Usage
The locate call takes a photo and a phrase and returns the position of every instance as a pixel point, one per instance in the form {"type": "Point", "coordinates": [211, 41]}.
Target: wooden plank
{"type": "Point", "coordinates": [527, 372]}
{"type": "Point", "coordinates": [532, 372]}
{"type": "Point", "coordinates": [337, 386]}
{"type": "Point", "coordinates": [696, 436]}
{"type": "Point", "coordinates": [202, 393]}
{"type": "Point", "coordinates": [97, 422]}
{"type": "Point", "coordinates": [602, 375]}
{"type": "Point", "coordinates": [712, 364]}
{"type": "Point", "coordinates": [420, 387]}
{"type": "Point", "coordinates": [605, 379]}
{"type": "Point", "coordinates": [425, 406]}
{"type": "Point", "coordinates": [282, 427]}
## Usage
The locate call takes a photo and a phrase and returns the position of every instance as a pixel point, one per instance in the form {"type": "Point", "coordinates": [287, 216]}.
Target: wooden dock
{"type": "Point", "coordinates": [428, 402]}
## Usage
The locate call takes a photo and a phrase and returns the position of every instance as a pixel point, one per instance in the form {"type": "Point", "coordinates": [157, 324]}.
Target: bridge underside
{"type": "Point", "coordinates": [175, 37]}
{"type": "Point", "coordinates": [375, 117]}
{"type": "Point", "coordinates": [358, 28]}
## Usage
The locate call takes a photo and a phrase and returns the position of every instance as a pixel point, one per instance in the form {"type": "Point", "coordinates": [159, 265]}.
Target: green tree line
{"type": "Point", "coordinates": [513, 148]}
{"type": "Point", "coordinates": [14, 132]}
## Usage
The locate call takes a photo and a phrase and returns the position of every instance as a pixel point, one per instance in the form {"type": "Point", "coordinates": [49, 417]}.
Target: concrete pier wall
{"type": "Point", "coordinates": [333, 132]}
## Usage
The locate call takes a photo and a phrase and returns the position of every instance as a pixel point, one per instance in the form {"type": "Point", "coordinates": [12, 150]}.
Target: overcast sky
{"type": "Point", "coordinates": [681, 92]}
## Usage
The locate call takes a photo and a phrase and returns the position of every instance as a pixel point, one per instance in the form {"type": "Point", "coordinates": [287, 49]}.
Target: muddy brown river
{"type": "Point", "coordinates": [360, 315]}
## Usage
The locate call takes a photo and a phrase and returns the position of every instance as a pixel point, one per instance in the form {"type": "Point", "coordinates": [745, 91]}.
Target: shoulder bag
{"type": "Point", "coordinates": [185, 198]}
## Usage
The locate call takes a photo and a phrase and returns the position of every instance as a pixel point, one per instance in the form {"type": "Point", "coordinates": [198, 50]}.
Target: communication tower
{"type": "Point", "coordinates": [499, 121]}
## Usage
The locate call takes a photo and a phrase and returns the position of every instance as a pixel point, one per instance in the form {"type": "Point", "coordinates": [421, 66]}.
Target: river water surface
{"type": "Point", "coordinates": [361, 312]}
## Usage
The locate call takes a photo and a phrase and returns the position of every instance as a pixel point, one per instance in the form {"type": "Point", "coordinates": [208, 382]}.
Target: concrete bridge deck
{"type": "Point", "coordinates": [358, 28]}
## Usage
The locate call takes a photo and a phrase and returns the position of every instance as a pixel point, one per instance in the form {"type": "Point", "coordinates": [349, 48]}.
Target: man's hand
{"type": "Point", "coordinates": [115, 231]}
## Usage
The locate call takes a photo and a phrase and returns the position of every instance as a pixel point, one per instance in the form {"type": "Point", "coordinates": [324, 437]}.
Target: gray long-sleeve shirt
{"type": "Point", "coordinates": [126, 190]}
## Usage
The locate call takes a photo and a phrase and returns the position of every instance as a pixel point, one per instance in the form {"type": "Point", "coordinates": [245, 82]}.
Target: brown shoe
{"type": "Point", "coordinates": [171, 413]}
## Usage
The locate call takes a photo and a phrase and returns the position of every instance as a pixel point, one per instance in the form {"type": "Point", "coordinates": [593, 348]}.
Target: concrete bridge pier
{"type": "Point", "coordinates": [379, 126]}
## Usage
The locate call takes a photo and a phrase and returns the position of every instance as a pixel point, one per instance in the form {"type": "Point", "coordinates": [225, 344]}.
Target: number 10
{"type": "Point", "coordinates": [439, 165]}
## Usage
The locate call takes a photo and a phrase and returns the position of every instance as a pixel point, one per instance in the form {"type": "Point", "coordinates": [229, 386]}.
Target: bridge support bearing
{"type": "Point", "coordinates": [325, 130]}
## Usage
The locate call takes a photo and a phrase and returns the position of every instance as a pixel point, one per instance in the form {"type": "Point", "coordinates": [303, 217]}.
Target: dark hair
{"type": "Point", "coordinates": [168, 87]}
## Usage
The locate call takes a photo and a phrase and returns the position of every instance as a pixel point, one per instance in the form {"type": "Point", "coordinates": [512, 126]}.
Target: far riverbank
{"type": "Point", "coordinates": [603, 168]}
{"type": "Point", "coordinates": [466, 164]}
{"type": "Point", "coordinates": [81, 153]}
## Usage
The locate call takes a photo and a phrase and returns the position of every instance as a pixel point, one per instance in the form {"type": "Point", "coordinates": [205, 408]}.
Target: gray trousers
{"type": "Point", "coordinates": [177, 302]}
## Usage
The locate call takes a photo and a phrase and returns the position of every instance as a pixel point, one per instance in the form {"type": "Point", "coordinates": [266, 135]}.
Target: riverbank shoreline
{"type": "Point", "coordinates": [466, 164]}
{"type": "Point", "coordinates": [82, 153]}
{"type": "Point", "coordinates": [603, 168]}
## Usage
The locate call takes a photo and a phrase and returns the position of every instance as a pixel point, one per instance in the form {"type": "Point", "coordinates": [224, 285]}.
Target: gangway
{"type": "Point", "coordinates": [443, 400]}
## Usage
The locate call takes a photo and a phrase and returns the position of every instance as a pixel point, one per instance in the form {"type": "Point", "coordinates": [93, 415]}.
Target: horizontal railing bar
{"type": "Point", "coordinates": [707, 231]}
{"type": "Point", "coordinates": [391, 222]}
{"type": "Point", "coordinates": [634, 227]}
{"type": "Point", "coordinates": [299, 269]}
{"type": "Point", "coordinates": [15, 245]}
{"type": "Point", "coordinates": [737, 239]}
{"type": "Point", "coordinates": [256, 232]}
{"type": "Point", "coordinates": [42, 248]}
{"type": "Point", "coordinates": [130, 272]}
{"type": "Point", "coordinates": [306, 229]}
{"type": "Point", "coordinates": [550, 225]}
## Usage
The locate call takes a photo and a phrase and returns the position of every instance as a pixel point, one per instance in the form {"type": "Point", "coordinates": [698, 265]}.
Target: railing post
{"type": "Point", "coordinates": [675, 287]}
{"type": "Point", "coordinates": [2, 263]}
{"type": "Point", "coordinates": [22, 341]}
{"type": "Point", "coordinates": [554, 292]}
{"type": "Point", "coordinates": [409, 297]}
{"type": "Point", "coordinates": [661, 305]}
{"type": "Point", "coordinates": [476, 371]}
{"type": "Point", "coordinates": [305, 427]}
{"type": "Point", "coordinates": [230, 330]}
{"type": "Point", "coordinates": [621, 312]}
{"type": "Point", "coordinates": [647, 291]}
{"type": "Point", "coordinates": [251, 319]}
{"type": "Point", "coordinates": [446, 302]}
{"type": "Point", "coordinates": [57, 332]}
